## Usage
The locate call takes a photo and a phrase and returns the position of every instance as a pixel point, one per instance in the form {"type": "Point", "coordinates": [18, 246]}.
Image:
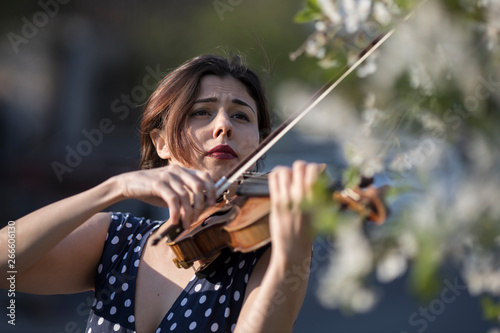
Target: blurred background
{"type": "Point", "coordinates": [73, 77]}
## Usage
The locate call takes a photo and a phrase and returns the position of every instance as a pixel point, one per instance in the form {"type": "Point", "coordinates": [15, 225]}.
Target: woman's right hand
{"type": "Point", "coordinates": [186, 192]}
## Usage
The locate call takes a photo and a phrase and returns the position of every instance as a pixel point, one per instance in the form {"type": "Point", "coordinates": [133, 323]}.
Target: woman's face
{"type": "Point", "coordinates": [222, 124]}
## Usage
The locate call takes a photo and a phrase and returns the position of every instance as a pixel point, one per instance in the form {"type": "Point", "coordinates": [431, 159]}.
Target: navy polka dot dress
{"type": "Point", "coordinates": [211, 304]}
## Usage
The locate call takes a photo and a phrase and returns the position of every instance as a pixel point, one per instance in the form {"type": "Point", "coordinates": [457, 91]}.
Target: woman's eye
{"type": "Point", "coordinates": [200, 112]}
{"type": "Point", "coordinates": [241, 116]}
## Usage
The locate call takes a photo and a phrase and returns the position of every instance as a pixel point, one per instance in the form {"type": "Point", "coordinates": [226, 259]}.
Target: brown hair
{"type": "Point", "coordinates": [172, 100]}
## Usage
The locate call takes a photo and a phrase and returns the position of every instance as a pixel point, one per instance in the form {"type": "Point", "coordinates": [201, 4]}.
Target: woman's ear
{"type": "Point", "coordinates": [160, 143]}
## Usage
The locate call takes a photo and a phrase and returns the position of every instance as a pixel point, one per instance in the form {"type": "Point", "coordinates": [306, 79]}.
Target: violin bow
{"type": "Point", "coordinates": [223, 184]}
{"type": "Point", "coordinates": [237, 171]}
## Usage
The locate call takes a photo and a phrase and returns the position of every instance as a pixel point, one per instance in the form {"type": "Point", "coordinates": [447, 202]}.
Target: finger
{"type": "Point", "coordinates": [205, 190]}
{"type": "Point", "coordinates": [202, 189]}
{"type": "Point", "coordinates": [281, 196]}
{"type": "Point", "coordinates": [178, 189]}
{"type": "Point", "coordinates": [273, 186]}
{"type": "Point", "coordinates": [172, 201]}
{"type": "Point", "coordinates": [298, 183]}
{"type": "Point", "coordinates": [312, 172]}
{"type": "Point", "coordinates": [209, 187]}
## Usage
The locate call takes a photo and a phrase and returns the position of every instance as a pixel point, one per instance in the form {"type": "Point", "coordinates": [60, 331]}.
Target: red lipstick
{"type": "Point", "coordinates": [223, 152]}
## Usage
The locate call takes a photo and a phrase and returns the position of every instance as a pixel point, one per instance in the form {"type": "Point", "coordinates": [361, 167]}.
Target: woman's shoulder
{"type": "Point", "coordinates": [124, 229]}
{"type": "Point", "coordinates": [130, 223]}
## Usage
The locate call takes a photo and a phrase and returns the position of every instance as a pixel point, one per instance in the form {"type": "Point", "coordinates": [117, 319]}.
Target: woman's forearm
{"type": "Point", "coordinates": [38, 232]}
{"type": "Point", "coordinates": [276, 303]}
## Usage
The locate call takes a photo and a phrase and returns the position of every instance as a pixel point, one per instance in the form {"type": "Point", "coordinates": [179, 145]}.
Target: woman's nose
{"type": "Point", "coordinates": [223, 125]}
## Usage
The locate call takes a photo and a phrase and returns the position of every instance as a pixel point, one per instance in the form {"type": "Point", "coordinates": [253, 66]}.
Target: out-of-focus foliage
{"type": "Point", "coordinates": [421, 115]}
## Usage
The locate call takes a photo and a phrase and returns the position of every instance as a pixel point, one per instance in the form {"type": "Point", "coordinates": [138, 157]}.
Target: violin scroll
{"type": "Point", "coordinates": [366, 201]}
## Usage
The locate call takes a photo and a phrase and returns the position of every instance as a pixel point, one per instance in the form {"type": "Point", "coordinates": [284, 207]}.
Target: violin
{"type": "Point", "coordinates": [241, 224]}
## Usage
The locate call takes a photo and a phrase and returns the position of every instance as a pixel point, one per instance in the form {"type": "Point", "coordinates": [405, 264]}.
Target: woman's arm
{"type": "Point", "coordinates": [58, 246]}
{"type": "Point", "coordinates": [278, 284]}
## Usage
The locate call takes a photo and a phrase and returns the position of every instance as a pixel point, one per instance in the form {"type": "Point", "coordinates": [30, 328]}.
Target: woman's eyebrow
{"type": "Point", "coordinates": [240, 102]}
{"type": "Point", "coordinates": [214, 100]}
{"type": "Point", "coordinates": [206, 100]}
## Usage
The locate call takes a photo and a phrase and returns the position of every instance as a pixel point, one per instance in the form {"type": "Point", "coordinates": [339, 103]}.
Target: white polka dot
{"type": "Point", "coordinates": [112, 310]}
{"type": "Point", "coordinates": [128, 225]}
{"type": "Point", "coordinates": [107, 235]}
{"type": "Point", "coordinates": [254, 261]}
{"type": "Point", "coordinates": [128, 303]}
{"type": "Point", "coordinates": [125, 286]}
{"type": "Point", "coordinates": [174, 325]}
{"type": "Point", "coordinates": [100, 321]}
{"type": "Point", "coordinates": [158, 330]}
{"type": "Point", "coordinates": [171, 314]}
{"type": "Point", "coordinates": [208, 312]}
{"type": "Point", "coordinates": [222, 299]}
{"type": "Point", "coordinates": [229, 271]}
{"type": "Point", "coordinates": [115, 240]}
{"type": "Point", "coordinates": [184, 301]}
{"type": "Point", "coordinates": [138, 237]}
{"type": "Point", "coordinates": [113, 258]}
{"type": "Point", "coordinates": [124, 269]}
{"type": "Point", "coordinates": [112, 297]}
{"type": "Point", "coordinates": [131, 319]}
{"type": "Point", "coordinates": [125, 256]}
{"type": "Point", "coordinates": [116, 327]}
{"type": "Point", "coordinates": [112, 280]}
{"type": "Point", "coordinates": [194, 277]}
{"type": "Point", "coordinates": [228, 259]}
{"type": "Point", "coordinates": [136, 263]}
{"type": "Point", "coordinates": [198, 287]}
{"type": "Point", "coordinates": [99, 305]}
{"type": "Point", "coordinates": [230, 283]}
{"type": "Point", "coordinates": [187, 313]}
{"type": "Point", "coordinates": [246, 278]}
{"type": "Point", "coordinates": [232, 327]}
{"type": "Point", "coordinates": [95, 302]}
{"type": "Point", "coordinates": [217, 286]}
{"type": "Point", "coordinates": [118, 228]}
{"type": "Point", "coordinates": [203, 299]}
{"type": "Point", "coordinates": [192, 326]}
{"type": "Point", "coordinates": [226, 313]}
{"type": "Point", "coordinates": [99, 268]}
{"type": "Point", "coordinates": [212, 274]}
{"type": "Point", "coordinates": [90, 330]}
{"type": "Point", "coordinates": [242, 263]}
{"type": "Point", "coordinates": [137, 249]}
{"type": "Point", "coordinates": [236, 295]}
{"type": "Point", "coordinates": [214, 327]}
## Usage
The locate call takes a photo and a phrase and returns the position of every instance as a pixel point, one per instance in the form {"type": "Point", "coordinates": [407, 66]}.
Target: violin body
{"type": "Point", "coordinates": [241, 224]}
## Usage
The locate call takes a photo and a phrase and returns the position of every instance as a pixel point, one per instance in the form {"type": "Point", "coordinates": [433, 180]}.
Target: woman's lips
{"type": "Point", "coordinates": [223, 152]}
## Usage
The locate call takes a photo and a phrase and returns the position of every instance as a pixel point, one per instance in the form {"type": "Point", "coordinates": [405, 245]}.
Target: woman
{"type": "Point", "coordinates": [204, 117]}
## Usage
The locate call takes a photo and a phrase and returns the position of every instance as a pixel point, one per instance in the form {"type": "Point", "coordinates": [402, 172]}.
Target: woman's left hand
{"type": "Point", "coordinates": [292, 235]}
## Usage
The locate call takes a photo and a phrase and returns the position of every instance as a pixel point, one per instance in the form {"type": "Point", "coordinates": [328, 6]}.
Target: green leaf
{"type": "Point", "coordinates": [307, 15]}
{"type": "Point", "coordinates": [326, 221]}
{"type": "Point", "coordinates": [312, 12]}
{"type": "Point", "coordinates": [313, 5]}
{"type": "Point", "coordinates": [351, 177]}
{"type": "Point", "coordinates": [424, 274]}
{"type": "Point", "coordinates": [491, 310]}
